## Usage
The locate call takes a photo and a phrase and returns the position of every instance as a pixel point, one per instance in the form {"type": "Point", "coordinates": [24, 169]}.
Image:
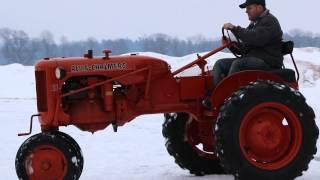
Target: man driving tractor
{"type": "Point", "coordinates": [261, 42]}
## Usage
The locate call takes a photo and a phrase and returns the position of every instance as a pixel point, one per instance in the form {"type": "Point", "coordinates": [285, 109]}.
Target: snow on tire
{"type": "Point", "coordinates": [48, 155]}
{"type": "Point", "coordinates": [266, 131]}
{"type": "Point", "coordinates": [185, 155]}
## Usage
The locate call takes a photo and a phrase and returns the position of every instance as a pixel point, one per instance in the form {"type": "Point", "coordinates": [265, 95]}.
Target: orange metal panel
{"type": "Point", "coordinates": [192, 87]}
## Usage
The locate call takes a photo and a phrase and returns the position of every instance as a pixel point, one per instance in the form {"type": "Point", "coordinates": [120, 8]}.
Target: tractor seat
{"type": "Point", "coordinates": [287, 75]}
{"type": "Point", "coordinates": [287, 47]}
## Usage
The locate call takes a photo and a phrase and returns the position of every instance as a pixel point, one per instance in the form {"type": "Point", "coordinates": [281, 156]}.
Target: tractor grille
{"type": "Point", "coordinates": [41, 88]}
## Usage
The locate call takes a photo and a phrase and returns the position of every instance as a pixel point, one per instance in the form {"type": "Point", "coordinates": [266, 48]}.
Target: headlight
{"type": "Point", "coordinates": [60, 73]}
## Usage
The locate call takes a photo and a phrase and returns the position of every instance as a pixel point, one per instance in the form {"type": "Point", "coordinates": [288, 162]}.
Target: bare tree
{"type": "Point", "coordinates": [48, 44]}
{"type": "Point", "coordinates": [16, 46]}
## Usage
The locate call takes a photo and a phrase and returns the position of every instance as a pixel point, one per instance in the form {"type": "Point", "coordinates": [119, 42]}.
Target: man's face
{"type": "Point", "coordinates": [254, 11]}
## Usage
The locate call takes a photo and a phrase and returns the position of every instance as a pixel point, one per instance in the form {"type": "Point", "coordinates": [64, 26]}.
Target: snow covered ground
{"type": "Point", "coordinates": [137, 150]}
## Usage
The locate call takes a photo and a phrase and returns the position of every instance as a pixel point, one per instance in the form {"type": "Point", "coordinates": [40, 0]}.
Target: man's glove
{"type": "Point", "coordinates": [228, 26]}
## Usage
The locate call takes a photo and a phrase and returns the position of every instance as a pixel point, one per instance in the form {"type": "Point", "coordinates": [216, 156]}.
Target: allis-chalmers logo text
{"type": "Point", "coordinates": [98, 67]}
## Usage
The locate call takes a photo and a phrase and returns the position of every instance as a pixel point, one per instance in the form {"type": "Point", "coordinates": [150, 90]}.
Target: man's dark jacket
{"type": "Point", "coordinates": [262, 39]}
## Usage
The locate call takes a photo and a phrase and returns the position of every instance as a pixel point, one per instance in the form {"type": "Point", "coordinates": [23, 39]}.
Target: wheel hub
{"type": "Point", "coordinates": [46, 165]}
{"type": "Point", "coordinates": [46, 162]}
{"type": "Point", "coordinates": [270, 135]}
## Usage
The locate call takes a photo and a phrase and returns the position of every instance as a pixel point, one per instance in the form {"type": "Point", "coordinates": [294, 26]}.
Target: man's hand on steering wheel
{"type": "Point", "coordinates": [228, 26]}
{"type": "Point", "coordinates": [235, 47]}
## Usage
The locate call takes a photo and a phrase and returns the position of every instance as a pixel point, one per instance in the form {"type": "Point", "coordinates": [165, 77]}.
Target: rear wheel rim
{"type": "Point", "coordinates": [270, 136]}
{"type": "Point", "coordinates": [45, 162]}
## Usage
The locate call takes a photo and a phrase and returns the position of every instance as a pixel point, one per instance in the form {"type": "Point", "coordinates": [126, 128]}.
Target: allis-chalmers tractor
{"type": "Point", "coordinates": [257, 125]}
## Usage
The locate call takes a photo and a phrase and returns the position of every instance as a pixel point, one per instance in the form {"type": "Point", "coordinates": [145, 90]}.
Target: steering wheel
{"type": "Point", "coordinates": [235, 47]}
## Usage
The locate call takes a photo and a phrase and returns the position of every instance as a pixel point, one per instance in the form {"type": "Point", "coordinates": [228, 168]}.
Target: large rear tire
{"type": "Point", "coordinates": [266, 131]}
{"type": "Point", "coordinates": [49, 155]}
{"type": "Point", "coordinates": [187, 155]}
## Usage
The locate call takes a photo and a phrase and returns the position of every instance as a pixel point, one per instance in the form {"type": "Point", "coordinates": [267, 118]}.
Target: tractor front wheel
{"type": "Point", "coordinates": [76, 150]}
{"type": "Point", "coordinates": [186, 147]}
{"type": "Point", "coordinates": [50, 155]}
{"type": "Point", "coordinates": [266, 131]}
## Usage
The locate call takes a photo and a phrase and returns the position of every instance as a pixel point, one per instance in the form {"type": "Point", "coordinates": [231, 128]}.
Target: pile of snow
{"type": "Point", "coordinates": [138, 148]}
{"type": "Point", "coordinates": [17, 81]}
{"type": "Point", "coordinates": [308, 62]}
{"type": "Point", "coordinates": [308, 54]}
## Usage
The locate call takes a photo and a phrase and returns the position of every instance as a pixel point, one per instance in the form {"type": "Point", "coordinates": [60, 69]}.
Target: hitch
{"type": "Point", "coordinates": [30, 130]}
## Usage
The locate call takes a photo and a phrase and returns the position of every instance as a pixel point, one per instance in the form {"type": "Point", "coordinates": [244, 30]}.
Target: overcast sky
{"type": "Point", "coordinates": [110, 19]}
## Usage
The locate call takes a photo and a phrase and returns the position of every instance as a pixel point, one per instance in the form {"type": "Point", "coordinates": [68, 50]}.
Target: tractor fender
{"type": "Point", "coordinates": [235, 81]}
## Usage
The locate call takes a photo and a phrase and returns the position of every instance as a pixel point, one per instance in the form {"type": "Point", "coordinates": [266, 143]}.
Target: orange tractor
{"type": "Point", "coordinates": [258, 124]}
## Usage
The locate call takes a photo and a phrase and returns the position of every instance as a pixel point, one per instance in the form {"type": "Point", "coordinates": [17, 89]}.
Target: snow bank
{"type": "Point", "coordinates": [17, 81]}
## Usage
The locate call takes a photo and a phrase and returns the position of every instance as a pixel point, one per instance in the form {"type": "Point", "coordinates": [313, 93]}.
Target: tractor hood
{"type": "Point", "coordinates": [103, 66]}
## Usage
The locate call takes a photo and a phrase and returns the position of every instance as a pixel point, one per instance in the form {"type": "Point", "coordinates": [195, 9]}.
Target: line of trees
{"type": "Point", "coordinates": [303, 39]}
{"type": "Point", "coordinates": [18, 47]}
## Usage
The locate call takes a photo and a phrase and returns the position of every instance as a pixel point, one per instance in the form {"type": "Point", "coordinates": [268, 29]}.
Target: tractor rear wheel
{"type": "Point", "coordinates": [187, 155]}
{"type": "Point", "coordinates": [266, 131]}
{"type": "Point", "coordinates": [49, 155]}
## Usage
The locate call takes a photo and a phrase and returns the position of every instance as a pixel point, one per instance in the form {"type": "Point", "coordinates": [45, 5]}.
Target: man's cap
{"type": "Point", "coordinates": [249, 2]}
